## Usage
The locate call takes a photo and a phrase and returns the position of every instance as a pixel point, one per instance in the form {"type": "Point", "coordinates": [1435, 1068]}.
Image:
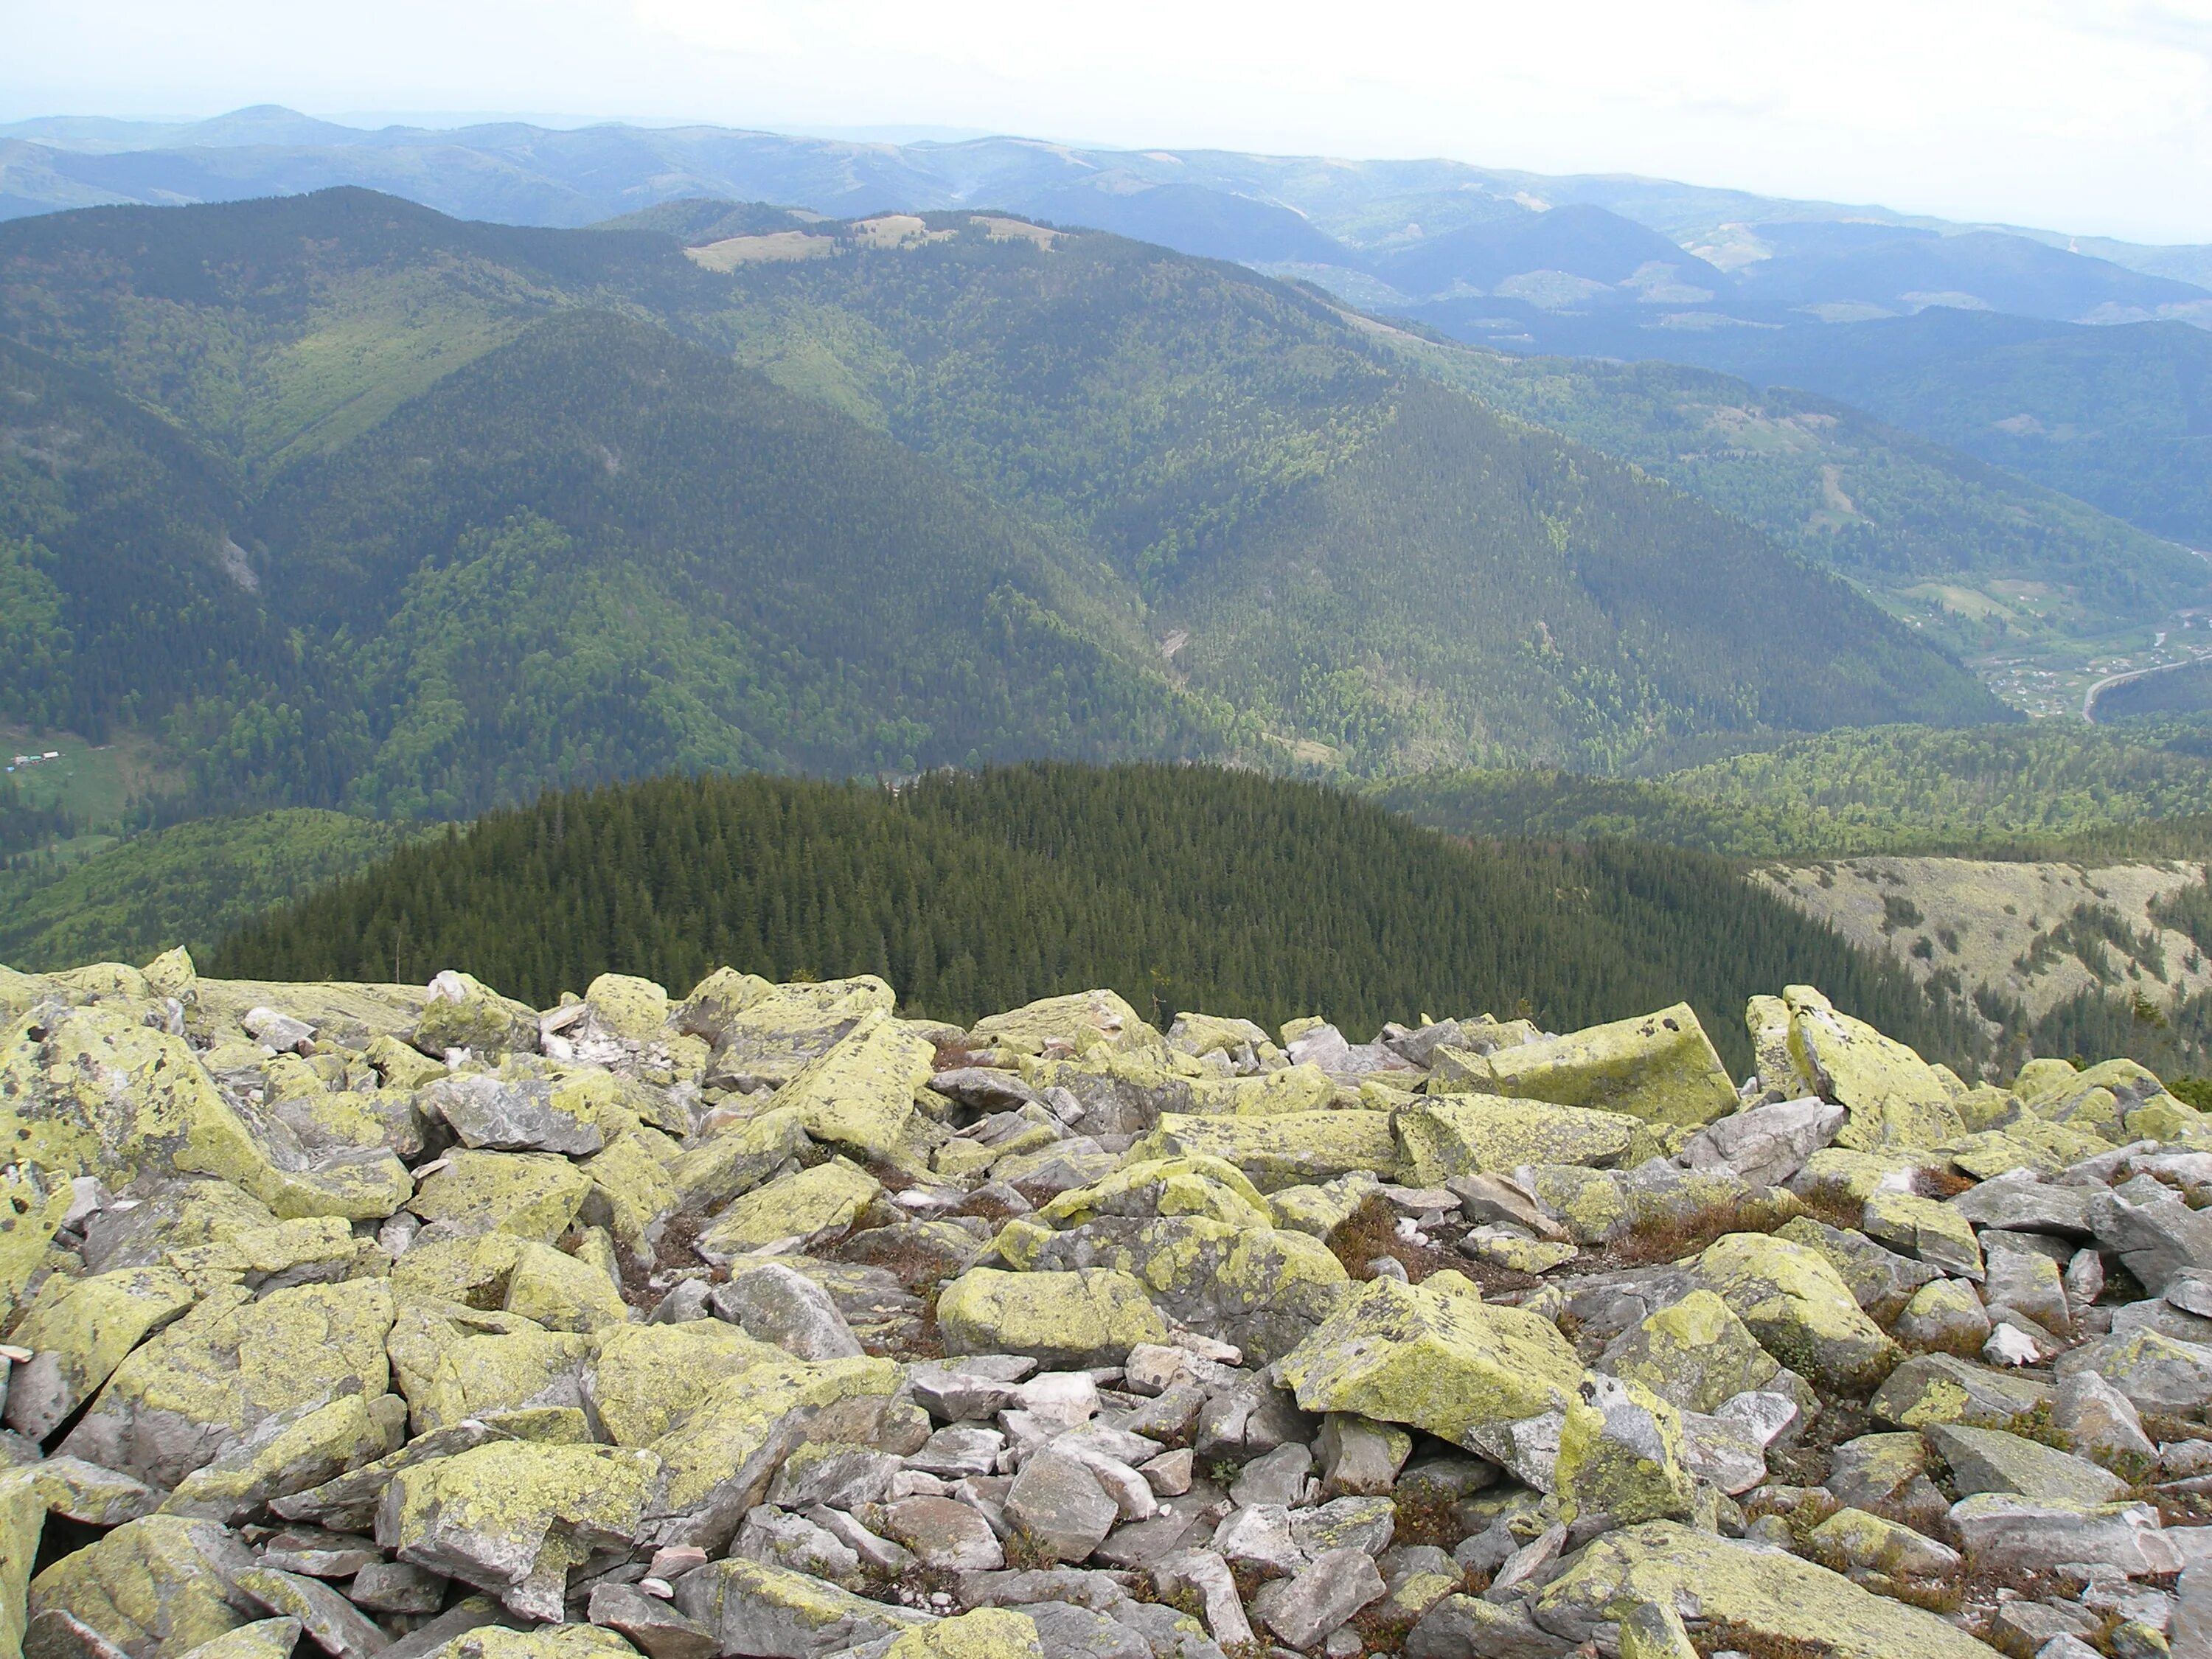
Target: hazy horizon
{"type": "Point", "coordinates": [2091, 118]}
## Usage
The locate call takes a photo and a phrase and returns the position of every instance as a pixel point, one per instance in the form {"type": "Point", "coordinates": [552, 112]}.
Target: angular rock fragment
{"type": "Point", "coordinates": [1324, 1595]}
{"type": "Point", "coordinates": [159, 1585]}
{"type": "Point", "coordinates": [1433, 1358]}
{"type": "Point", "coordinates": [1798, 1308]}
{"type": "Point", "coordinates": [1066, 1321]}
{"type": "Point", "coordinates": [1763, 1591]}
{"type": "Point", "coordinates": [206, 1382]}
{"type": "Point", "coordinates": [750, 1608]}
{"type": "Point", "coordinates": [513, 1517]}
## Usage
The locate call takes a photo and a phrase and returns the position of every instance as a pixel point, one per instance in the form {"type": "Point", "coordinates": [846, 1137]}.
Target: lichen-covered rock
{"type": "Point", "coordinates": [1660, 1067]}
{"type": "Point", "coordinates": [22, 1520]}
{"type": "Point", "coordinates": [513, 1517]}
{"type": "Point", "coordinates": [1799, 1308]}
{"type": "Point", "coordinates": [1079, 1023]}
{"type": "Point", "coordinates": [1621, 1455]}
{"type": "Point", "coordinates": [79, 1330]}
{"type": "Point", "coordinates": [33, 1203]}
{"type": "Point", "coordinates": [91, 1090]}
{"type": "Point", "coordinates": [290, 1454]}
{"type": "Point", "coordinates": [771, 1039]}
{"type": "Point", "coordinates": [1993, 1459]}
{"type": "Point", "coordinates": [631, 1008]}
{"type": "Point", "coordinates": [1065, 1321]}
{"type": "Point", "coordinates": [1938, 1234]}
{"type": "Point", "coordinates": [1863, 1546]}
{"type": "Point", "coordinates": [1432, 1357]}
{"type": "Point", "coordinates": [1257, 1287]}
{"type": "Point", "coordinates": [265, 1638]}
{"type": "Point", "coordinates": [1294, 1089]}
{"type": "Point", "coordinates": [1895, 1098]}
{"type": "Point", "coordinates": [1693, 1353]}
{"type": "Point", "coordinates": [1882, 1281]}
{"type": "Point", "coordinates": [492, 1641]}
{"type": "Point", "coordinates": [1939, 1388]}
{"type": "Point", "coordinates": [1319, 1211]}
{"type": "Point", "coordinates": [1289, 1149]}
{"type": "Point", "coordinates": [645, 1379]}
{"type": "Point", "coordinates": [787, 1308]}
{"type": "Point", "coordinates": [519, 1115]}
{"type": "Point", "coordinates": [461, 1012]}
{"type": "Point", "coordinates": [716, 1462]}
{"type": "Point", "coordinates": [717, 999]}
{"type": "Point", "coordinates": [203, 1385]}
{"type": "Point", "coordinates": [754, 1608]}
{"type": "Point", "coordinates": [984, 1634]}
{"type": "Point", "coordinates": [860, 1093]}
{"type": "Point", "coordinates": [1944, 1316]}
{"type": "Point", "coordinates": [161, 1585]}
{"type": "Point", "coordinates": [1468, 1134]}
{"type": "Point", "coordinates": [737, 1159]}
{"type": "Point", "coordinates": [2155, 1371]}
{"type": "Point", "coordinates": [1767, 1593]}
{"type": "Point", "coordinates": [454, 1364]}
{"type": "Point", "coordinates": [532, 1195]}
{"type": "Point", "coordinates": [1766, 1145]}
{"type": "Point", "coordinates": [824, 1198]}
{"type": "Point", "coordinates": [561, 1293]}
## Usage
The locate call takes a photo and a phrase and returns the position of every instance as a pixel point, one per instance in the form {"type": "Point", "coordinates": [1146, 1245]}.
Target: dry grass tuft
{"type": "Point", "coordinates": [1371, 1230]}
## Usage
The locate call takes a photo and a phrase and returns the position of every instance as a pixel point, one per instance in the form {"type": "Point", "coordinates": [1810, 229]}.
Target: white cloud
{"type": "Point", "coordinates": [2093, 115]}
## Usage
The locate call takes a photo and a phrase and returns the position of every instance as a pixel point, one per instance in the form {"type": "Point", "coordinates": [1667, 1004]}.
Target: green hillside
{"type": "Point", "coordinates": [1003, 493]}
{"type": "Point", "coordinates": [2119, 416]}
{"type": "Point", "coordinates": [1987, 560]}
{"type": "Point", "coordinates": [128, 605]}
{"type": "Point", "coordinates": [188, 884]}
{"type": "Point", "coordinates": [1179, 887]}
{"type": "Point", "coordinates": [2049, 790]}
{"type": "Point", "coordinates": [599, 551]}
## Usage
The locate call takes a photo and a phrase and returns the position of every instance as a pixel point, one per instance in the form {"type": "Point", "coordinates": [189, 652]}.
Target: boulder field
{"type": "Point", "coordinates": [415, 1322]}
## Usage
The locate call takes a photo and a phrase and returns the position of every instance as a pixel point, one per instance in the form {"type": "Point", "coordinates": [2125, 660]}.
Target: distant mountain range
{"type": "Point", "coordinates": [341, 502]}
{"type": "Point", "coordinates": [2072, 361]}
{"type": "Point", "coordinates": [1409, 231]}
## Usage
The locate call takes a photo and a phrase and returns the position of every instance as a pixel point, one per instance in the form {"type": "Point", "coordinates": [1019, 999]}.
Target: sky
{"type": "Point", "coordinates": [2068, 114]}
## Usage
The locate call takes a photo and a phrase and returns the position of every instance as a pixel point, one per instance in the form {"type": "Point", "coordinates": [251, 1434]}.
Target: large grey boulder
{"type": "Point", "coordinates": [490, 1114]}
{"type": "Point", "coordinates": [2021, 1203]}
{"type": "Point", "coordinates": [1304, 1609]}
{"type": "Point", "coordinates": [2155, 1238]}
{"type": "Point", "coordinates": [2100, 1423]}
{"type": "Point", "coordinates": [1766, 1145]}
{"type": "Point", "coordinates": [1468, 1627]}
{"type": "Point", "coordinates": [778, 1305]}
{"type": "Point", "coordinates": [2005, 1532]}
{"type": "Point", "coordinates": [751, 1608]}
{"type": "Point", "coordinates": [1057, 1502]}
{"type": "Point", "coordinates": [780, 1539]}
{"type": "Point", "coordinates": [2157, 1373]}
{"type": "Point", "coordinates": [1994, 1460]}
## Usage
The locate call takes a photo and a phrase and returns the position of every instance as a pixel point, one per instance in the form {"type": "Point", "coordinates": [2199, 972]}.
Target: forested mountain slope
{"type": "Point", "coordinates": [1988, 560]}
{"type": "Point", "coordinates": [600, 551]}
{"type": "Point", "coordinates": [1179, 887]}
{"type": "Point", "coordinates": [515, 541]}
{"type": "Point", "coordinates": [2051, 789]}
{"type": "Point", "coordinates": [188, 883]}
{"type": "Point", "coordinates": [124, 599]}
{"type": "Point", "coordinates": [2119, 417]}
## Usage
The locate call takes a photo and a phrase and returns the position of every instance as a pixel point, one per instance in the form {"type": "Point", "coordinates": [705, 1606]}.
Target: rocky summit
{"type": "Point", "coordinates": [413, 1321]}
